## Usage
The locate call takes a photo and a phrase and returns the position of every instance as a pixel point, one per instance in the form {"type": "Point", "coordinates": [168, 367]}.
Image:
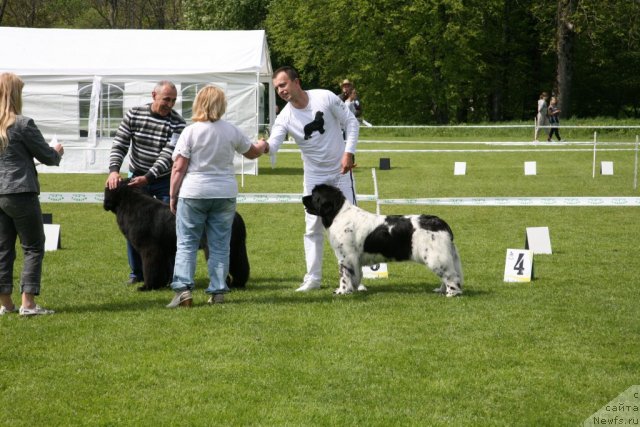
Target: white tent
{"type": "Point", "coordinates": [80, 83]}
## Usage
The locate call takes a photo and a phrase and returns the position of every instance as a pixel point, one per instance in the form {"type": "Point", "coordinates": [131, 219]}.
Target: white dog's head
{"type": "Point", "coordinates": [325, 201]}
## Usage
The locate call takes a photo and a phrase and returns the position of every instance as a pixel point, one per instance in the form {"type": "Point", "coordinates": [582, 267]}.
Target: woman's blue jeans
{"type": "Point", "coordinates": [215, 217]}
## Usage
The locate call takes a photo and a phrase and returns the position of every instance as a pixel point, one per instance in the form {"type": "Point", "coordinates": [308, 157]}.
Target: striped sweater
{"type": "Point", "coordinates": [151, 139]}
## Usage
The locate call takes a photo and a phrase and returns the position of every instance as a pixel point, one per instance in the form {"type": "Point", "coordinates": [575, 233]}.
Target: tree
{"type": "Point", "coordinates": [224, 14]}
{"type": "Point", "coordinates": [412, 61]}
{"type": "Point", "coordinates": [565, 35]}
{"type": "Point", "coordinates": [3, 7]}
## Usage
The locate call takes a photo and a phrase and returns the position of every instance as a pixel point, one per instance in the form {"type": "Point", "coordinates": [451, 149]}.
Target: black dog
{"type": "Point", "coordinates": [316, 124]}
{"type": "Point", "coordinates": [151, 228]}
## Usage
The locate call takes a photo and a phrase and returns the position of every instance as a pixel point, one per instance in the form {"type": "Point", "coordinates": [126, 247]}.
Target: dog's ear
{"type": "Point", "coordinates": [307, 201]}
{"type": "Point", "coordinates": [109, 203]}
{"type": "Point", "coordinates": [112, 197]}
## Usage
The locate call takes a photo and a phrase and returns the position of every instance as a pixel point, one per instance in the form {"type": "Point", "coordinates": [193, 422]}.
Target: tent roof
{"type": "Point", "coordinates": [49, 51]}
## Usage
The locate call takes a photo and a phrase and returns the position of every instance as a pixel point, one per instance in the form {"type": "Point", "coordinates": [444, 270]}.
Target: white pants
{"type": "Point", "coordinates": [314, 231]}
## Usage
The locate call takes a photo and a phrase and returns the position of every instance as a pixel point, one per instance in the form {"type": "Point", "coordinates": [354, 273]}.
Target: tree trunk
{"type": "Point", "coordinates": [3, 6]}
{"type": "Point", "coordinates": [565, 35]}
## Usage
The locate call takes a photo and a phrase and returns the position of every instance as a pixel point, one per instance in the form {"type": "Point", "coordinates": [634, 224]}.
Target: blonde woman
{"type": "Point", "coordinates": [203, 193]}
{"type": "Point", "coordinates": [20, 214]}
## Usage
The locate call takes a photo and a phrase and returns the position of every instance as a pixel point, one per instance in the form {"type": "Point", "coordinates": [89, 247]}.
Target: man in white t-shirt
{"type": "Point", "coordinates": [315, 119]}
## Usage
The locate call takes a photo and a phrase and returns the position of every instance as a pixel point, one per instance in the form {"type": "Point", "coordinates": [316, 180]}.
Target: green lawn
{"type": "Point", "coordinates": [550, 352]}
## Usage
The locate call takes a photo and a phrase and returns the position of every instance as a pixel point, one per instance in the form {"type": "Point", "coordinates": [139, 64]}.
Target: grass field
{"type": "Point", "coordinates": [550, 352]}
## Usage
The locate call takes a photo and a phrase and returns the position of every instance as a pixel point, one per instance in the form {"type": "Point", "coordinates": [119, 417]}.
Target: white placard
{"type": "Point", "coordinates": [537, 239]}
{"type": "Point", "coordinates": [460, 168]}
{"type": "Point", "coordinates": [530, 168]}
{"type": "Point", "coordinates": [375, 271]}
{"type": "Point", "coordinates": [518, 267]}
{"type": "Point", "coordinates": [51, 237]}
{"type": "Point", "coordinates": [606, 168]}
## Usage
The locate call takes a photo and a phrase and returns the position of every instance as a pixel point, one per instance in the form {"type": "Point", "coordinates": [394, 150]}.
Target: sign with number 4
{"type": "Point", "coordinates": [518, 266]}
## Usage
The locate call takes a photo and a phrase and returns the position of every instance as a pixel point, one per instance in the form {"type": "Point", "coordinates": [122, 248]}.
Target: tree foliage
{"type": "Point", "coordinates": [413, 61]}
{"type": "Point", "coordinates": [224, 14]}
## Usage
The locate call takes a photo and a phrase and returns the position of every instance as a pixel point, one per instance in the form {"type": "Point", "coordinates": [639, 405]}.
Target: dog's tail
{"type": "Point", "coordinates": [239, 268]}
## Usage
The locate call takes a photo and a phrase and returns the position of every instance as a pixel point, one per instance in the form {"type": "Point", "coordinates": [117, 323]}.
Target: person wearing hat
{"type": "Point", "coordinates": [350, 97]}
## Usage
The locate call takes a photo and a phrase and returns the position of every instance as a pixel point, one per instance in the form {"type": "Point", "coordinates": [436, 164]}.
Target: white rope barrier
{"type": "Point", "coordinates": [256, 198]}
{"type": "Point", "coordinates": [518, 201]}
{"type": "Point", "coordinates": [279, 198]}
{"type": "Point", "coordinates": [418, 150]}
{"type": "Point", "coordinates": [499, 126]}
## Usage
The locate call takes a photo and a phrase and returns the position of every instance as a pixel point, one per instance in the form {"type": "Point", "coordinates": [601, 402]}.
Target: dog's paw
{"type": "Point", "coordinates": [362, 288]}
{"type": "Point", "coordinates": [342, 291]}
{"type": "Point", "coordinates": [453, 293]}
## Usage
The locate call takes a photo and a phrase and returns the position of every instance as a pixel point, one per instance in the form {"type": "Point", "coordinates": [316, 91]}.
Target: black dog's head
{"type": "Point", "coordinates": [112, 197]}
{"type": "Point", "coordinates": [325, 201]}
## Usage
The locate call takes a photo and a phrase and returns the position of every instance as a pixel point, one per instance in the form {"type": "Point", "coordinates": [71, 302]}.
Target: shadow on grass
{"type": "Point", "coordinates": [281, 171]}
{"type": "Point", "coordinates": [261, 291]}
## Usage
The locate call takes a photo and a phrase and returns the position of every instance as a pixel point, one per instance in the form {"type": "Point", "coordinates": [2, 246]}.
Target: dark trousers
{"type": "Point", "coordinates": [554, 130]}
{"type": "Point", "coordinates": [21, 216]}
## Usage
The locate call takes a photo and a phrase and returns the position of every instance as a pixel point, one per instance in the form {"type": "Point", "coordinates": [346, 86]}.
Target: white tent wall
{"type": "Point", "coordinates": [65, 66]}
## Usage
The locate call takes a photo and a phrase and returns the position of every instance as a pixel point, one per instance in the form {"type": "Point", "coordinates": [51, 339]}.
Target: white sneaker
{"type": "Point", "coordinates": [308, 285]}
{"type": "Point", "coordinates": [4, 310]}
{"type": "Point", "coordinates": [35, 311]}
{"type": "Point", "coordinates": [182, 299]}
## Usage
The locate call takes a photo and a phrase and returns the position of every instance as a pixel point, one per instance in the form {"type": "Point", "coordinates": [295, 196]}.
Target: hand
{"type": "Point", "coordinates": [262, 145]}
{"type": "Point", "coordinates": [347, 163]}
{"type": "Point", "coordinates": [113, 180]}
{"type": "Point", "coordinates": [59, 148]}
{"type": "Point", "coordinates": [139, 181]}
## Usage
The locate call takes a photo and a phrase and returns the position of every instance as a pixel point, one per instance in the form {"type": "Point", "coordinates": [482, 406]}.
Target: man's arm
{"type": "Point", "coordinates": [121, 144]}
{"type": "Point", "coordinates": [163, 162]}
{"type": "Point", "coordinates": [277, 136]}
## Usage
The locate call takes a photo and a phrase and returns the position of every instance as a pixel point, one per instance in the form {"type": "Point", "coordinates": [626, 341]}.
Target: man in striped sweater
{"type": "Point", "coordinates": [148, 133]}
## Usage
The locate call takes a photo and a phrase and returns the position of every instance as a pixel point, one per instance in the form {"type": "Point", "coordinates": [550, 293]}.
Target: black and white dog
{"type": "Point", "coordinates": [361, 238]}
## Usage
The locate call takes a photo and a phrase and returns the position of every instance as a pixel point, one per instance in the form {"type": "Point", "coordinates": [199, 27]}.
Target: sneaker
{"type": "Point", "coordinates": [216, 299]}
{"type": "Point", "coordinates": [308, 285]}
{"type": "Point", "coordinates": [133, 280]}
{"type": "Point", "coordinates": [181, 299]}
{"type": "Point", "coordinates": [4, 310]}
{"type": "Point", "coordinates": [35, 311]}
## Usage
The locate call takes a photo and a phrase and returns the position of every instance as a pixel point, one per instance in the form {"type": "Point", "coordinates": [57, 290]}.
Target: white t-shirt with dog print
{"type": "Point", "coordinates": [317, 129]}
{"type": "Point", "coordinates": [210, 148]}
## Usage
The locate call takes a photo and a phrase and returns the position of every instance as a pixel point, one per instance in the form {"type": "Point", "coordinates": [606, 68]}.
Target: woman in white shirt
{"type": "Point", "coordinates": [203, 193]}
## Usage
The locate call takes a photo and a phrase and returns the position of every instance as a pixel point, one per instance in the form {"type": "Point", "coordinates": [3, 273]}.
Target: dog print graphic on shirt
{"type": "Point", "coordinates": [316, 125]}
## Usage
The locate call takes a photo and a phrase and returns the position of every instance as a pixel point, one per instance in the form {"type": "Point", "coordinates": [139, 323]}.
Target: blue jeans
{"type": "Point", "coordinates": [160, 190]}
{"type": "Point", "coordinates": [215, 217]}
{"type": "Point", "coordinates": [21, 216]}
